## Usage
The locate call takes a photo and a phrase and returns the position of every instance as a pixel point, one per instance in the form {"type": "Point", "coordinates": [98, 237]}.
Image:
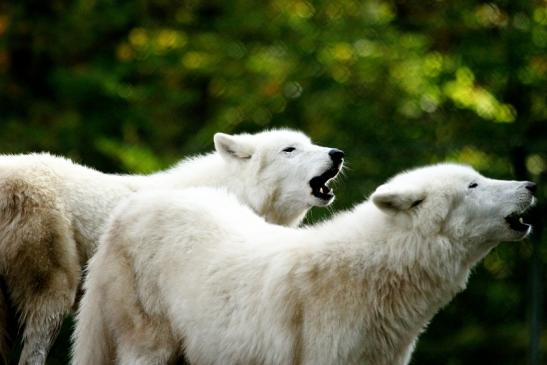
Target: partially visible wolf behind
{"type": "Point", "coordinates": [196, 271]}
{"type": "Point", "coordinates": [52, 212]}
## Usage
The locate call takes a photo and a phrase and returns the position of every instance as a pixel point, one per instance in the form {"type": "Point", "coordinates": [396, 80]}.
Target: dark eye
{"type": "Point", "coordinates": [473, 185]}
{"type": "Point", "coordinates": [289, 149]}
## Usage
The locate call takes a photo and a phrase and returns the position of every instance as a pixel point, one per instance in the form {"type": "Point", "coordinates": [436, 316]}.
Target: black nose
{"type": "Point", "coordinates": [531, 186]}
{"type": "Point", "coordinates": [336, 155]}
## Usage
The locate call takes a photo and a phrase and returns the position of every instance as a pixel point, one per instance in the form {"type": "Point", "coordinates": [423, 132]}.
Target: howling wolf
{"type": "Point", "coordinates": [52, 212]}
{"type": "Point", "coordinates": [198, 272]}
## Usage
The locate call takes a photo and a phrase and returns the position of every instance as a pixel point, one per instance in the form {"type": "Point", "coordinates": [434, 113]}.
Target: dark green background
{"type": "Point", "coordinates": [132, 86]}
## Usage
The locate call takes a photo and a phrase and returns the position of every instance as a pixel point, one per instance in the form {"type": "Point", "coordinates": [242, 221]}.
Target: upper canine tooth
{"type": "Point", "coordinates": [521, 220]}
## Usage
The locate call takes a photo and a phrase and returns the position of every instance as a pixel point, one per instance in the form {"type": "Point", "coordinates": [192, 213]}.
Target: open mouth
{"type": "Point", "coordinates": [318, 184]}
{"type": "Point", "coordinates": [516, 222]}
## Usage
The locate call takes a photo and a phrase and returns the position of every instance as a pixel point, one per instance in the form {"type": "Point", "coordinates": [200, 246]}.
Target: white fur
{"type": "Point", "coordinates": [54, 210]}
{"type": "Point", "coordinates": [197, 271]}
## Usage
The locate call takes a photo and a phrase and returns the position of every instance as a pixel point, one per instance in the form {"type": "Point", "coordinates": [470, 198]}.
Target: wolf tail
{"type": "Point", "coordinates": [91, 340]}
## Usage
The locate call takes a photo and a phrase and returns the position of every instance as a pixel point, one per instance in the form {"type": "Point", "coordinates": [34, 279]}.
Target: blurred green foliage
{"type": "Point", "coordinates": [132, 86]}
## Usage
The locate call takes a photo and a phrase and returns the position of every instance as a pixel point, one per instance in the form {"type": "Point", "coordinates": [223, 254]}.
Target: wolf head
{"type": "Point", "coordinates": [457, 202]}
{"type": "Point", "coordinates": [281, 169]}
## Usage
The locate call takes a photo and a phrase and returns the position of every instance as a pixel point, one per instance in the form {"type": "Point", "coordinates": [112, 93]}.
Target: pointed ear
{"type": "Point", "coordinates": [393, 201]}
{"type": "Point", "coordinates": [232, 147]}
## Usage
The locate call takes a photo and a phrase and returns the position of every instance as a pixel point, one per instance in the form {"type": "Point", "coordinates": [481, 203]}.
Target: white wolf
{"type": "Point", "coordinates": [52, 212]}
{"type": "Point", "coordinates": [225, 287]}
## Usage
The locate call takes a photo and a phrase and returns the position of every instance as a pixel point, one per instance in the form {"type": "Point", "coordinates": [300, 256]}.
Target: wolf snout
{"type": "Point", "coordinates": [336, 155]}
{"type": "Point", "coordinates": [531, 187]}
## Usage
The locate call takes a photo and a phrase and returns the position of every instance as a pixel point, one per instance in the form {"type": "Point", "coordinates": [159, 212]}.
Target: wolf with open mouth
{"type": "Point", "coordinates": [52, 213]}
{"type": "Point", "coordinates": [195, 271]}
